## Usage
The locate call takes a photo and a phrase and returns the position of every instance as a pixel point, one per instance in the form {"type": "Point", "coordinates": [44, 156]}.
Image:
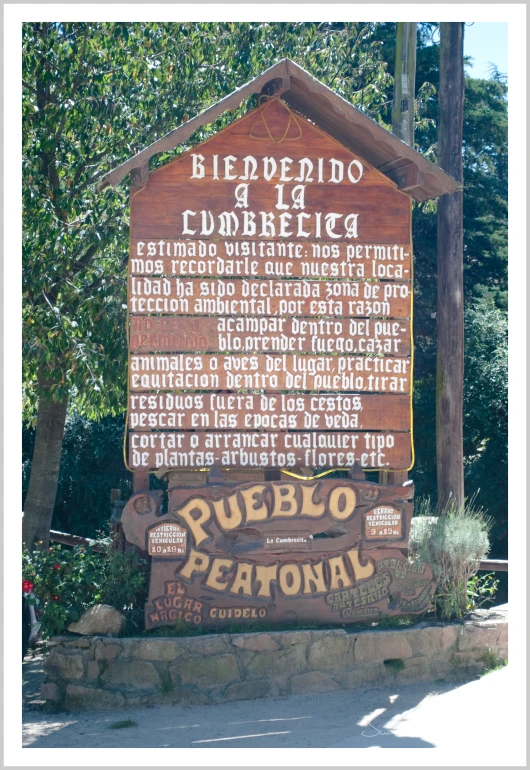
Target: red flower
{"type": "Point", "coordinates": [56, 598]}
{"type": "Point", "coordinates": [57, 566]}
{"type": "Point", "coordinates": [27, 586]}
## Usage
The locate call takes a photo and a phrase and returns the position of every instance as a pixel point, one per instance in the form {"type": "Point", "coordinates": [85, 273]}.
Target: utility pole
{"type": "Point", "coordinates": [404, 82]}
{"type": "Point", "coordinates": [450, 310]}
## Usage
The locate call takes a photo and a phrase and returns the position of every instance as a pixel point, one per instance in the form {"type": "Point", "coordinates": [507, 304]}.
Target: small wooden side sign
{"type": "Point", "coordinates": [382, 522]}
{"type": "Point", "coordinates": [167, 539]}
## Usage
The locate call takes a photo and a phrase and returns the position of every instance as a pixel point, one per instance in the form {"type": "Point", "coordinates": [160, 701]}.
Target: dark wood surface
{"type": "Point", "coordinates": [160, 411]}
{"type": "Point", "coordinates": [236, 449]}
{"type": "Point", "coordinates": [450, 309]}
{"type": "Point", "coordinates": [268, 372]}
{"type": "Point", "coordinates": [174, 334]}
{"type": "Point", "coordinates": [216, 257]}
{"type": "Point", "coordinates": [269, 298]}
{"type": "Point", "coordinates": [263, 339]}
{"type": "Point", "coordinates": [321, 105]}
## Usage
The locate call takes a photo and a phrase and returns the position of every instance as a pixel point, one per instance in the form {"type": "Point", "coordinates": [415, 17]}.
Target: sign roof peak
{"type": "Point", "coordinates": [412, 172]}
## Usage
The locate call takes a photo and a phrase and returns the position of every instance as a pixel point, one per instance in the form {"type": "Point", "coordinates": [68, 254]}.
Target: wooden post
{"type": "Point", "coordinates": [403, 127]}
{"type": "Point", "coordinates": [140, 481]}
{"type": "Point", "coordinates": [450, 311]}
{"type": "Point", "coordinates": [404, 82]}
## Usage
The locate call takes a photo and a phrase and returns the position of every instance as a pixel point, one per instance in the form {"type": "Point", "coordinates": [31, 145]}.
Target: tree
{"type": "Point", "coordinates": [93, 95]}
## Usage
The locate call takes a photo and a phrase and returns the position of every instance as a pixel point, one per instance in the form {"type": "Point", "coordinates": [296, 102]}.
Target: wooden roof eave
{"type": "Point", "coordinates": [411, 172]}
{"type": "Point", "coordinates": [183, 132]}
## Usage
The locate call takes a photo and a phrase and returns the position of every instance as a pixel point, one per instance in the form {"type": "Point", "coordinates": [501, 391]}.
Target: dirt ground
{"type": "Point", "coordinates": [422, 716]}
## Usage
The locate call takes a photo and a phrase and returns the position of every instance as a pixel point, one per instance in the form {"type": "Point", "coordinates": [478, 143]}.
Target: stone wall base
{"type": "Point", "coordinates": [98, 673]}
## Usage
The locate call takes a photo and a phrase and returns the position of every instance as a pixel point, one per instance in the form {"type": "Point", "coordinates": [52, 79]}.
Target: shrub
{"type": "Point", "coordinates": [68, 581]}
{"type": "Point", "coordinates": [453, 544]}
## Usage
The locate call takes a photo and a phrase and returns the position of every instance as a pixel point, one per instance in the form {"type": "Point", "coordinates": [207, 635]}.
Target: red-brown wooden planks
{"type": "Point", "coordinates": [269, 372]}
{"type": "Point", "coordinates": [266, 265]}
{"type": "Point", "coordinates": [270, 259]}
{"type": "Point", "coordinates": [262, 335]}
{"type": "Point", "coordinates": [211, 296]}
{"type": "Point", "coordinates": [246, 411]}
{"type": "Point", "coordinates": [237, 449]}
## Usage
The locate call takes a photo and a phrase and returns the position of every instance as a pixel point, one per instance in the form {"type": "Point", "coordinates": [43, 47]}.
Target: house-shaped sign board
{"type": "Point", "coordinates": [270, 328]}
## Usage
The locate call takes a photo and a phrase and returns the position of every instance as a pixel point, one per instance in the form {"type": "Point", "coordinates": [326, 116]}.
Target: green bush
{"type": "Point", "coordinates": [66, 581]}
{"type": "Point", "coordinates": [453, 544]}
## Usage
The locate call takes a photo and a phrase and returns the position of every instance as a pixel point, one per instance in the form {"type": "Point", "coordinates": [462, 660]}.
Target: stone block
{"type": "Point", "coordinates": [107, 651]}
{"type": "Point", "coordinates": [288, 638]}
{"type": "Point", "coordinates": [157, 649]}
{"type": "Point", "coordinates": [313, 681]}
{"type": "Point", "coordinates": [430, 640]}
{"type": "Point", "coordinates": [92, 669]}
{"type": "Point", "coordinates": [332, 651]}
{"type": "Point", "coordinates": [206, 672]}
{"type": "Point", "coordinates": [481, 637]}
{"type": "Point", "coordinates": [257, 688]}
{"type": "Point", "coordinates": [49, 691]}
{"type": "Point", "coordinates": [191, 698]}
{"type": "Point", "coordinates": [131, 675]}
{"type": "Point", "coordinates": [290, 660]}
{"type": "Point", "coordinates": [64, 666]}
{"type": "Point", "coordinates": [362, 676]}
{"type": "Point", "coordinates": [258, 642]}
{"type": "Point", "coordinates": [99, 619]}
{"type": "Point", "coordinates": [83, 643]}
{"type": "Point", "coordinates": [377, 646]}
{"type": "Point", "coordinates": [89, 699]}
{"type": "Point", "coordinates": [206, 645]}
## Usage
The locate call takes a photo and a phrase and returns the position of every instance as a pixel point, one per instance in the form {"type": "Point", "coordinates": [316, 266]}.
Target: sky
{"type": "Point", "coordinates": [486, 42]}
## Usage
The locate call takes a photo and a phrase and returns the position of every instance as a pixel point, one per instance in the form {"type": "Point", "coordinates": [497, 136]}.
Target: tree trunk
{"type": "Point", "coordinates": [44, 477]}
{"type": "Point", "coordinates": [450, 311]}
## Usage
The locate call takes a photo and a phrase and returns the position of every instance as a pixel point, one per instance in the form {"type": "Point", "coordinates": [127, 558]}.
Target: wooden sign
{"type": "Point", "coordinates": [278, 552]}
{"type": "Point", "coordinates": [269, 262]}
{"type": "Point", "coordinates": [382, 522]}
{"type": "Point", "coordinates": [279, 411]}
{"type": "Point", "coordinates": [271, 259]}
{"type": "Point", "coordinates": [166, 539]}
{"type": "Point", "coordinates": [267, 449]}
{"type": "Point", "coordinates": [150, 334]}
{"type": "Point", "coordinates": [270, 372]}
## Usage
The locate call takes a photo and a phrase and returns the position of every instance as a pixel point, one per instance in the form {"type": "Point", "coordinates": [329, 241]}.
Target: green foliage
{"type": "Point", "coordinates": [93, 95]}
{"type": "Point", "coordinates": [452, 544]}
{"type": "Point", "coordinates": [486, 409]}
{"type": "Point", "coordinates": [66, 581]}
{"type": "Point", "coordinates": [481, 589]}
{"type": "Point", "coordinates": [125, 585]}
{"type": "Point", "coordinates": [167, 685]}
{"type": "Point", "coordinates": [394, 665]}
{"type": "Point", "coordinates": [492, 661]}
{"type": "Point", "coordinates": [394, 621]}
{"type": "Point", "coordinates": [91, 465]}
{"type": "Point", "coordinates": [122, 724]}
{"type": "Point", "coordinates": [69, 580]}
